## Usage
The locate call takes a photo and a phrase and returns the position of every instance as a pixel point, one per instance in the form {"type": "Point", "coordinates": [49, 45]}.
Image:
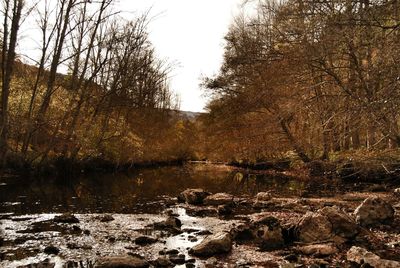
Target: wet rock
{"type": "Point", "coordinates": [268, 230]}
{"type": "Point", "coordinates": [202, 212]}
{"type": "Point", "coordinates": [314, 227]}
{"type": "Point", "coordinates": [177, 259]}
{"type": "Point", "coordinates": [374, 211]}
{"type": "Point", "coordinates": [225, 209]}
{"type": "Point", "coordinates": [118, 262]}
{"type": "Point", "coordinates": [44, 264]}
{"type": "Point", "coordinates": [263, 196]}
{"type": "Point", "coordinates": [318, 249]}
{"type": "Point", "coordinates": [145, 240]}
{"type": "Point", "coordinates": [162, 262]}
{"type": "Point", "coordinates": [211, 262]}
{"type": "Point", "coordinates": [51, 250]}
{"type": "Point", "coordinates": [204, 232]}
{"type": "Point", "coordinates": [107, 218]}
{"type": "Point", "coordinates": [218, 199]}
{"type": "Point", "coordinates": [362, 256]}
{"type": "Point", "coordinates": [397, 191]}
{"type": "Point", "coordinates": [171, 224]}
{"type": "Point", "coordinates": [292, 257]}
{"type": "Point", "coordinates": [193, 196]}
{"type": "Point", "coordinates": [192, 238]}
{"type": "Point", "coordinates": [66, 218]}
{"type": "Point", "coordinates": [172, 252]}
{"type": "Point", "coordinates": [213, 244]}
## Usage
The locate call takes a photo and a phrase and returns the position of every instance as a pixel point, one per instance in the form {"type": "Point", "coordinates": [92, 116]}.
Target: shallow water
{"type": "Point", "coordinates": [136, 200]}
{"type": "Point", "coordinates": [134, 192]}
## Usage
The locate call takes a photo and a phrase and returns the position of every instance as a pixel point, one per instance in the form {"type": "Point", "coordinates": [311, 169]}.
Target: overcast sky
{"type": "Point", "coordinates": [189, 33]}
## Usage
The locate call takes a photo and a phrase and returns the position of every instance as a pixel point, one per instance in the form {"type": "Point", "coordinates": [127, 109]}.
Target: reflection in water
{"type": "Point", "coordinates": [138, 191]}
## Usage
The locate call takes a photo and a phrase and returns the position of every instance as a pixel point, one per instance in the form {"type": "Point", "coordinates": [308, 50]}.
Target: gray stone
{"type": "Point", "coordinates": [342, 224]}
{"type": "Point", "coordinates": [314, 227]}
{"type": "Point", "coordinates": [213, 244]}
{"type": "Point", "coordinates": [374, 211]}
{"type": "Point", "coordinates": [362, 256]}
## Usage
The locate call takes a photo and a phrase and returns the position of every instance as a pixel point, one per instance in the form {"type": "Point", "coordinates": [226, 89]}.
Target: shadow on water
{"type": "Point", "coordinates": [134, 192]}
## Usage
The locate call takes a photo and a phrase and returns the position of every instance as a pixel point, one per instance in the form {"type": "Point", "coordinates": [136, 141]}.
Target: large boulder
{"type": "Point", "coordinates": [193, 196]}
{"type": "Point", "coordinates": [212, 245]}
{"type": "Point", "coordinates": [218, 199]}
{"type": "Point", "coordinates": [342, 224]}
{"type": "Point", "coordinates": [363, 257]}
{"type": "Point", "coordinates": [314, 227]}
{"type": "Point", "coordinates": [328, 223]}
{"type": "Point", "coordinates": [119, 262]}
{"type": "Point", "coordinates": [374, 211]}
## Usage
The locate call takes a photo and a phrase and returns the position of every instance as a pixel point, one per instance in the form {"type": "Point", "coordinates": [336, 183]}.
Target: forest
{"type": "Point", "coordinates": [294, 162]}
{"type": "Point", "coordinates": [94, 90]}
{"type": "Point", "coordinates": [316, 78]}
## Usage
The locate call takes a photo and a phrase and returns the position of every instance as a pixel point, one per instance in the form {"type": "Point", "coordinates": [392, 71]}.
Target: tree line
{"type": "Point", "coordinates": [311, 77]}
{"type": "Point", "coordinates": [92, 88]}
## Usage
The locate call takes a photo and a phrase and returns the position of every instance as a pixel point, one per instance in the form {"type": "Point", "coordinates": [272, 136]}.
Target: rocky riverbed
{"type": "Point", "coordinates": [201, 229]}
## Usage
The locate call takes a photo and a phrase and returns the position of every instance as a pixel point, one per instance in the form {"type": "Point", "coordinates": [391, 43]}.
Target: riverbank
{"type": "Point", "coordinates": [197, 229]}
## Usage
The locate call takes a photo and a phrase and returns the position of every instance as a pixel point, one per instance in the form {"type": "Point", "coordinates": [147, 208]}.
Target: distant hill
{"type": "Point", "coordinates": [187, 115]}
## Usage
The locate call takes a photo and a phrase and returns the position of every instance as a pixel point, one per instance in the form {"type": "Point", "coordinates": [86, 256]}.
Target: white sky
{"type": "Point", "coordinates": [189, 33]}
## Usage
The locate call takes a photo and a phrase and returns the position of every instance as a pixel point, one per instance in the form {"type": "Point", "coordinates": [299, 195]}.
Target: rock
{"type": "Point", "coordinates": [107, 218]}
{"type": "Point", "coordinates": [292, 257]}
{"type": "Point", "coordinates": [172, 252]}
{"type": "Point", "coordinates": [243, 264]}
{"type": "Point", "coordinates": [51, 250]}
{"type": "Point", "coordinates": [202, 212]}
{"type": "Point", "coordinates": [145, 240]}
{"type": "Point", "coordinates": [374, 211]}
{"type": "Point", "coordinates": [318, 249]}
{"type": "Point", "coordinates": [162, 262]}
{"type": "Point", "coordinates": [224, 209]}
{"type": "Point", "coordinates": [342, 224]}
{"type": "Point", "coordinates": [66, 218]}
{"type": "Point", "coordinates": [362, 256]}
{"type": "Point", "coordinates": [118, 262]}
{"type": "Point", "coordinates": [263, 196]}
{"type": "Point", "coordinates": [172, 224]}
{"type": "Point", "coordinates": [211, 262]}
{"type": "Point", "coordinates": [44, 264]}
{"type": "Point", "coordinates": [314, 227]}
{"type": "Point", "coordinates": [397, 191]}
{"type": "Point", "coordinates": [193, 196]}
{"type": "Point", "coordinates": [218, 199]}
{"type": "Point", "coordinates": [177, 259]}
{"type": "Point", "coordinates": [213, 244]}
{"type": "Point", "coordinates": [328, 223]}
{"type": "Point", "coordinates": [268, 230]}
